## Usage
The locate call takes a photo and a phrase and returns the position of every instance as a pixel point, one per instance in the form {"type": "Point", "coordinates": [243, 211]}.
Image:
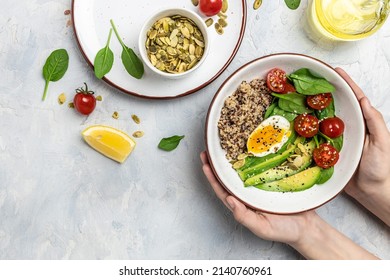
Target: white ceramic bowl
{"type": "Point", "coordinates": [347, 108]}
{"type": "Point", "coordinates": [170, 12]}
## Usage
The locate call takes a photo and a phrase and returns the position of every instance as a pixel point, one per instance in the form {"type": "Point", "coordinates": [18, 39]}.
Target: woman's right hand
{"type": "Point", "coordinates": [370, 185]}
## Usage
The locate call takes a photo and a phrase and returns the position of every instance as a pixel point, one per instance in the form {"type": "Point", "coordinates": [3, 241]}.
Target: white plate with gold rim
{"type": "Point", "coordinates": [91, 21]}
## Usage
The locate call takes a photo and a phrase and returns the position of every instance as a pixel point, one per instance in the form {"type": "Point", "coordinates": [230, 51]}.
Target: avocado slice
{"type": "Point", "coordinates": [280, 172]}
{"type": "Point", "coordinates": [298, 182]}
{"type": "Point", "coordinates": [271, 162]}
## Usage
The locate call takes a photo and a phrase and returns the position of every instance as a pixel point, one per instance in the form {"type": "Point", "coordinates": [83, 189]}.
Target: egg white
{"type": "Point", "coordinates": [278, 127]}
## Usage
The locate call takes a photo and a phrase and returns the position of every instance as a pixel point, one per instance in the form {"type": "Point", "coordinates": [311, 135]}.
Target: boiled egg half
{"type": "Point", "coordinates": [269, 136]}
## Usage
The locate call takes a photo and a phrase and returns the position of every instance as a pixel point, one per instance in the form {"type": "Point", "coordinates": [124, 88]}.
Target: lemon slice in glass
{"type": "Point", "coordinates": [109, 141]}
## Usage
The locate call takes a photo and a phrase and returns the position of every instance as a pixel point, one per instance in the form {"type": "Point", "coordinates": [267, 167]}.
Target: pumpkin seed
{"type": "Point", "coordinates": [239, 164]}
{"type": "Point", "coordinates": [242, 156]}
{"type": "Point", "coordinates": [135, 119]}
{"type": "Point", "coordinates": [115, 115]}
{"type": "Point", "coordinates": [174, 44]}
{"type": "Point", "coordinates": [218, 28]}
{"type": "Point", "coordinates": [209, 22]}
{"type": "Point", "coordinates": [257, 4]}
{"type": "Point", "coordinates": [225, 6]}
{"type": "Point", "coordinates": [222, 22]}
{"type": "Point", "coordinates": [61, 98]}
{"type": "Point", "coordinates": [222, 15]}
{"type": "Point", "coordinates": [71, 105]}
{"type": "Point", "coordinates": [99, 98]}
{"type": "Point", "coordinates": [195, 2]}
{"type": "Point", "coordinates": [138, 134]}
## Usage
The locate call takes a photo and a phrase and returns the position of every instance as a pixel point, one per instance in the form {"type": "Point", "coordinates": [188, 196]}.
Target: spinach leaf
{"type": "Point", "coordinates": [292, 4]}
{"type": "Point", "coordinates": [170, 143]}
{"type": "Point", "coordinates": [270, 109]}
{"type": "Point", "coordinates": [130, 60]}
{"type": "Point", "coordinates": [325, 175]}
{"type": "Point", "coordinates": [335, 142]}
{"type": "Point", "coordinates": [55, 67]}
{"type": "Point", "coordinates": [293, 102]}
{"type": "Point", "coordinates": [280, 112]}
{"type": "Point", "coordinates": [104, 59]}
{"type": "Point", "coordinates": [310, 83]}
{"type": "Point", "coordinates": [328, 112]}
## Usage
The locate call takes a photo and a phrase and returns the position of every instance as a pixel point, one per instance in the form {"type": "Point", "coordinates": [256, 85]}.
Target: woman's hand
{"type": "Point", "coordinates": [370, 185]}
{"type": "Point", "coordinates": [306, 232]}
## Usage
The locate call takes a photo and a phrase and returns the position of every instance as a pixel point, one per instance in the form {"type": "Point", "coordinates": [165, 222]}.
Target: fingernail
{"type": "Point", "coordinates": [231, 203]}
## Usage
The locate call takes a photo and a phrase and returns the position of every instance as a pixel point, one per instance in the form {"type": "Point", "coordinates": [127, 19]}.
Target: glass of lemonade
{"type": "Point", "coordinates": [346, 20]}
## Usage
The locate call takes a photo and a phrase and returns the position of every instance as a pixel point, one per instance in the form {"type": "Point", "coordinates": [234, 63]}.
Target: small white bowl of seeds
{"type": "Point", "coordinates": [174, 42]}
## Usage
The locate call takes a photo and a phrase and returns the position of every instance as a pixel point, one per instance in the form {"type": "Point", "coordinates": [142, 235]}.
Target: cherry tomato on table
{"type": "Point", "coordinates": [332, 127]}
{"type": "Point", "coordinates": [210, 7]}
{"type": "Point", "coordinates": [276, 80]}
{"type": "Point", "coordinates": [325, 155]}
{"type": "Point", "coordinates": [306, 125]}
{"type": "Point", "coordinates": [84, 101]}
{"type": "Point", "coordinates": [319, 101]}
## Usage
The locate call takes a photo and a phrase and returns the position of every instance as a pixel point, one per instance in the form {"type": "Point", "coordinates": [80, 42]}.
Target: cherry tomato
{"type": "Point", "coordinates": [325, 155]}
{"type": "Point", "coordinates": [288, 88]}
{"type": "Point", "coordinates": [210, 7]}
{"type": "Point", "coordinates": [332, 127]}
{"type": "Point", "coordinates": [306, 125]}
{"type": "Point", "coordinates": [319, 101]}
{"type": "Point", "coordinates": [276, 80]}
{"type": "Point", "coordinates": [84, 101]}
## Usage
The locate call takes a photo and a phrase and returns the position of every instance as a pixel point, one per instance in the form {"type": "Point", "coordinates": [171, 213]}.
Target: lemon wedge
{"type": "Point", "coordinates": [109, 141]}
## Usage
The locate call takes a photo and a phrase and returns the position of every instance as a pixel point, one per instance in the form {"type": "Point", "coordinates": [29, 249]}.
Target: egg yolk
{"type": "Point", "coordinates": [262, 140]}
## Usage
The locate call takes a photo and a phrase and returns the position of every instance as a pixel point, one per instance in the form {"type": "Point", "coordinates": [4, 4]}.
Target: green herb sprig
{"type": "Point", "coordinates": [130, 60]}
{"type": "Point", "coordinates": [55, 68]}
{"type": "Point", "coordinates": [293, 4]}
{"type": "Point", "coordinates": [104, 59]}
{"type": "Point", "coordinates": [170, 143]}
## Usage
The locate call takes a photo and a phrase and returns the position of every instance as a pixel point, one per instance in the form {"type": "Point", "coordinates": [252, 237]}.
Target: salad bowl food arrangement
{"type": "Point", "coordinates": [284, 133]}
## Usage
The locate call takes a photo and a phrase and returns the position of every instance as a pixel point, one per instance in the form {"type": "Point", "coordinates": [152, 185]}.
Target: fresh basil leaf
{"type": "Point", "coordinates": [130, 60]}
{"type": "Point", "coordinates": [293, 102]}
{"type": "Point", "coordinates": [325, 175]}
{"type": "Point", "coordinates": [55, 68]}
{"type": "Point", "coordinates": [308, 83]}
{"type": "Point", "coordinates": [170, 143]}
{"type": "Point", "coordinates": [293, 4]}
{"type": "Point", "coordinates": [104, 59]}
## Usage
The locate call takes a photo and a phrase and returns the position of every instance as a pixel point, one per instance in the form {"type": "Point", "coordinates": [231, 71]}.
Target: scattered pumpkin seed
{"type": "Point", "coordinates": [218, 28]}
{"type": "Point", "coordinates": [138, 134]}
{"type": "Point", "coordinates": [225, 6]}
{"type": "Point", "coordinates": [61, 98]}
{"type": "Point", "coordinates": [222, 22]}
{"type": "Point", "coordinates": [174, 44]}
{"type": "Point", "coordinates": [135, 119]}
{"type": "Point", "coordinates": [222, 15]}
{"type": "Point", "coordinates": [99, 98]}
{"type": "Point", "coordinates": [71, 105]}
{"type": "Point", "coordinates": [209, 22]}
{"type": "Point", "coordinates": [257, 4]}
{"type": "Point", "coordinates": [115, 115]}
{"type": "Point", "coordinates": [195, 2]}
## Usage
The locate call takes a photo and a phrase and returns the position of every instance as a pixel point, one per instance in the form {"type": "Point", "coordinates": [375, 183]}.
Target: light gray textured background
{"type": "Point", "coordinates": [59, 199]}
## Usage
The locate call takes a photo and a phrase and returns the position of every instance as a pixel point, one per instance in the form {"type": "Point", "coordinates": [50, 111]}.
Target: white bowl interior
{"type": "Point", "coordinates": [170, 12]}
{"type": "Point", "coordinates": [347, 108]}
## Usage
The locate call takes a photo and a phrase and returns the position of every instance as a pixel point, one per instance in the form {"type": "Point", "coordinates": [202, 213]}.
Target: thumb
{"type": "Point", "coordinates": [244, 216]}
{"type": "Point", "coordinates": [375, 122]}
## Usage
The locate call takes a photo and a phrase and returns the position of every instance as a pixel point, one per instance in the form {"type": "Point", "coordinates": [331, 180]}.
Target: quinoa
{"type": "Point", "coordinates": [242, 112]}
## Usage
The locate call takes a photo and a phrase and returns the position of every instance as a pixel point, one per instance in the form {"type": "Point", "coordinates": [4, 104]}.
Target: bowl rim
{"type": "Point", "coordinates": [156, 15]}
{"type": "Point", "coordinates": [210, 160]}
